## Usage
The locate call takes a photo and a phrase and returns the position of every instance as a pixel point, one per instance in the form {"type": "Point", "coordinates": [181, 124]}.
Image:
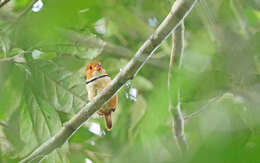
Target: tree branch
{"type": "Point", "coordinates": [204, 107]}
{"type": "Point", "coordinates": [4, 3]}
{"type": "Point", "coordinates": [175, 103]}
{"type": "Point", "coordinates": [179, 11]}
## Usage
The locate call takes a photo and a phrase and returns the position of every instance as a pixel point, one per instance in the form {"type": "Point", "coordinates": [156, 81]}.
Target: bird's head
{"type": "Point", "coordinates": [94, 69]}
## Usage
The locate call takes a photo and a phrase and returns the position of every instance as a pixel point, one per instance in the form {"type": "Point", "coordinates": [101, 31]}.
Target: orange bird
{"type": "Point", "coordinates": [97, 80]}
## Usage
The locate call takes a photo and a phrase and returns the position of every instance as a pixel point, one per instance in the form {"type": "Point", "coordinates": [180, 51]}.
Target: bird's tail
{"type": "Point", "coordinates": [108, 120]}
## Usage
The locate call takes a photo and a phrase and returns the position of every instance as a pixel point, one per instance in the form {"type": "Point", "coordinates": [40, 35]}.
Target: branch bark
{"type": "Point", "coordinates": [174, 97]}
{"type": "Point", "coordinates": [4, 3]}
{"type": "Point", "coordinates": [180, 9]}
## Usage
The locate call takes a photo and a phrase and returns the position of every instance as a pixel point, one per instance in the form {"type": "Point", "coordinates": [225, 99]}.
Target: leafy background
{"type": "Point", "coordinates": [43, 56]}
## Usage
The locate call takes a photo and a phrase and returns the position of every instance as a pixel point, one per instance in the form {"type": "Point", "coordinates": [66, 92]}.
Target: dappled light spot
{"type": "Point", "coordinates": [153, 21]}
{"type": "Point", "coordinates": [37, 6]}
{"type": "Point", "coordinates": [84, 10]}
{"type": "Point", "coordinates": [100, 26]}
{"type": "Point", "coordinates": [92, 143]}
{"type": "Point", "coordinates": [36, 54]}
{"type": "Point", "coordinates": [95, 128]}
{"type": "Point", "coordinates": [132, 94]}
{"type": "Point", "coordinates": [88, 160]}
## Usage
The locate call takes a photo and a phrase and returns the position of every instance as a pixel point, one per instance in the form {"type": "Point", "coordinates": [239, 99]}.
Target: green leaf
{"type": "Point", "coordinates": [252, 17]}
{"type": "Point", "coordinates": [21, 3]}
{"type": "Point", "coordinates": [5, 71]}
{"type": "Point", "coordinates": [26, 126]}
{"type": "Point", "coordinates": [82, 135]}
{"type": "Point", "coordinates": [12, 132]}
{"type": "Point", "coordinates": [4, 45]}
{"type": "Point", "coordinates": [69, 63]}
{"type": "Point", "coordinates": [63, 89]}
{"type": "Point", "coordinates": [48, 55]}
{"type": "Point", "coordinates": [37, 54]}
{"type": "Point", "coordinates": [89, 53]}
{"type": "Point", "coordinates": [34, 122]}
{"type": "Point", "coordinates": [12, 80]}
{"type": "Point", "coordinates": [38, 122]}
{"type": "Point", "coordinates": [77, 157]}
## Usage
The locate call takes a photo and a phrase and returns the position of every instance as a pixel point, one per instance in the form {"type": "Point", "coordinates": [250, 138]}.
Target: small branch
{"type": "Point", "coordinates": [177, 117]}
{"type": "Point", "coordinates": [178, 126]}
{"type": "Point", "coordinates": [177, 51]}
{"type": "Point", "coordinates": [213, 100]}
{"type": "Point", "coordinates": [4, 3]}
{"type": "Point", "coordinates": [179, 11]}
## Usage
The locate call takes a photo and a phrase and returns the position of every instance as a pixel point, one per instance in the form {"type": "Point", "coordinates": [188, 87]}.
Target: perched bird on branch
{"type": "Point", "coordinates": [97, 79]}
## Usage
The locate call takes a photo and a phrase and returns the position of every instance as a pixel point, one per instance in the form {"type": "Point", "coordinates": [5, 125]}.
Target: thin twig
{"type": "Point", "coordinates": [204, 107]}
{"type": "Point", "coordinates": [179, 11]}
{"type": "Point", "coordinates": [175, 103]}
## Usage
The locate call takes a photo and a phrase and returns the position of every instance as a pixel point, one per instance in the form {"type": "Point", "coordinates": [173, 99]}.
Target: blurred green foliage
{"type": "Point", "coordinates": [42, 76]}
